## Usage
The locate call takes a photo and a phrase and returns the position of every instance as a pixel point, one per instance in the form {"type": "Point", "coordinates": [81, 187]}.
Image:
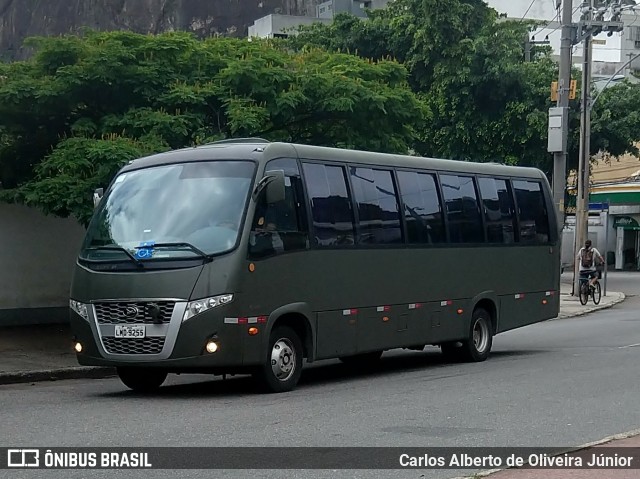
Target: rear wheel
{"type": "Point", "coordinates": [283, 365]}
{"type": "Point", "coordinates": [142, 379]}
{"type": "Point", "coordinates": [477, 346]}
{"type": "Point", "coordinates": [597, 293]}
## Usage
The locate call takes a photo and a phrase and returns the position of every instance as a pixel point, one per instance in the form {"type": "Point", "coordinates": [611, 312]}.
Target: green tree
{"type": "Point", "coordinates": [83, 106]}
{"type": "Point", "coordinates": [616, 120]}
{"type": "Point", "coordinates": [485, 102]}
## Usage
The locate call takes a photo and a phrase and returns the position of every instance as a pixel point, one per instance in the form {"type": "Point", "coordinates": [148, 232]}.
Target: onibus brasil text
{"type": "Point", "coordinates": [131, 460]}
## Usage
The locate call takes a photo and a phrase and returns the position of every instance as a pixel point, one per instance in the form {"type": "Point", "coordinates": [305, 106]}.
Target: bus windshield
{"type": "Point", "coordinates": [174, 211]}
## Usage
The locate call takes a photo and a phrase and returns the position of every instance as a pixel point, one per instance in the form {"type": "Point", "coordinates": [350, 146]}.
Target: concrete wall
{"type": "Point", "coordinates": [37, 256]}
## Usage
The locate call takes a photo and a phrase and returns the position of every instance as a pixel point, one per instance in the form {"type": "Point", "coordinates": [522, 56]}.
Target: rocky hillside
{"type": "Point", "coordinates": [23, 18]}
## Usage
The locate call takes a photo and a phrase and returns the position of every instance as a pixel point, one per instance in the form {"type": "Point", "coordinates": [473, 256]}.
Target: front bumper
{"type": "Point", "coordinates": [184, 344]}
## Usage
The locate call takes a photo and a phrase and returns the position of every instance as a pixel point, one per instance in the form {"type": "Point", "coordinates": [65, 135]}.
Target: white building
{"type": "Point", "coordinates": [281, 26]}
{"type": "Point", "coordinates": [273, 26]}
{"type": "Point", "coordinates": [609, 52]}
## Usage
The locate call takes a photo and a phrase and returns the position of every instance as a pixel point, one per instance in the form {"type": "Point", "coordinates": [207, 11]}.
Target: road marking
{"type": "Point", "coordinates": [630, 346]}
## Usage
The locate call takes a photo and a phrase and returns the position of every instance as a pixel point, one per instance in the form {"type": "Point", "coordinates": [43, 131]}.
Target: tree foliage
{"type": "Point", "coordinates": [444, 79]}
{"type": "Point", "coordinates": [485, 102]}
{"type": "Point", "coordinates": [84, 106]}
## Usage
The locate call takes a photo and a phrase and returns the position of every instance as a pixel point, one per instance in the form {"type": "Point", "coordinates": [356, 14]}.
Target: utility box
{"type": "Point", "coordinates": [558, 127]}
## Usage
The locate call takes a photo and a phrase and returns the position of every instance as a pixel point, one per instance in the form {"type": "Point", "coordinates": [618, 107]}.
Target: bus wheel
{"type": "Point", "coordinates": [142, 380]}
{"type": "Point", "coordinates": [364, 359]}
{"type": "Point", "coordinates": [283, 365]}
{"type": "Point", "coordinates": [478, 345]}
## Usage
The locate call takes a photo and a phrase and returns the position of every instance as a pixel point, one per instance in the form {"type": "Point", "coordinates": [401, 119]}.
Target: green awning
{"type": "Point", "coordinates": [626, 222]}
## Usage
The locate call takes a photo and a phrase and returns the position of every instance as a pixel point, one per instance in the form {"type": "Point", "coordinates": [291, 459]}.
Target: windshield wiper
{"type": "Point", "coordinates": [117, 248]}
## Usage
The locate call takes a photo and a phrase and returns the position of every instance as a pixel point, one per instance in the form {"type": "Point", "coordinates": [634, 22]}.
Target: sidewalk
{"type": "Point", "coordinates": [625, 440]}
{"type": "Point", "coordinates": [44, 352]}
{"type": "Point", "coordinates": [41, 353]}
{"type": "Point", "coordinates": [570, 305]}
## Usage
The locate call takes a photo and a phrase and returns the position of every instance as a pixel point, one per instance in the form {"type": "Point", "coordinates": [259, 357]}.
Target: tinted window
{"type": "Point", "coordinates": [499, 213]}
{"type": "Point", "coordinates": [422, 210]}
{"type": "Point", "coordinates": [375, 195]}
{"type": "Point", "coordinates": [532, 211]}
{"type": "Point", "coordinates": [330, 204]}
{"type": "Point", "coordinates": [280, 227]}
{"type": "Point", "coordinates": [463, 212]}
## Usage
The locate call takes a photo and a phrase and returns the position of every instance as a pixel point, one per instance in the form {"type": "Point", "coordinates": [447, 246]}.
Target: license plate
{"type": "Point", "coordinates": [130, 331]}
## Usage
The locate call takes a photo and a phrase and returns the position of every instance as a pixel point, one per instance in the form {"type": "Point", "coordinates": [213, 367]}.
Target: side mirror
{"type": "Point", "coordinates": [97, 196]}
{"type": "Point", "coordinates": [273, 181]}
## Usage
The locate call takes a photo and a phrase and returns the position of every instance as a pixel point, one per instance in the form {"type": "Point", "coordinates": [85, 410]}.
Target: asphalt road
{"type": "Point", "coordinates": [559, 383]}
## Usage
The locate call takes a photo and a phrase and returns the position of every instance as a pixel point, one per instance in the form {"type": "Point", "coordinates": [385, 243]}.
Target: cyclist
{"type": "Point", "coordinates": [588, 257]}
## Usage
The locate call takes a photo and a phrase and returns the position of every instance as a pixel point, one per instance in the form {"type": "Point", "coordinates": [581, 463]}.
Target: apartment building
{"type": "Point", "coordinates": [273, 26]}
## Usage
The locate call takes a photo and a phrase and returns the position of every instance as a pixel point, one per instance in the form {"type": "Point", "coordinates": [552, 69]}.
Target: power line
{"type": "Point", "coordinates": [530, 5]}
{"type": "Point", "coordinates": [559, 26]}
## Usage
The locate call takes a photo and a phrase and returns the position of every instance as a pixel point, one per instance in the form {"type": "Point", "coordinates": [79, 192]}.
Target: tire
{"type": "Point", "coordinates": [283, 365]}
{"type": "Point", "coordinates": [362, 360]}
{"type": "Point", "coordinates": [477, 346]}
{"type": "Point", "coordinates": [584, 293]}
{"type": "Point", "coordinates": [142, 380]}
{"type": "Point", "coordinates": [597, 293]}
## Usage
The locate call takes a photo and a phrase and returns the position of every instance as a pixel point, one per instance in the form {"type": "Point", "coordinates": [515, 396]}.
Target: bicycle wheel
{"type": "Point", "coordinates": [584, 293]}
{"type": "Point", "coordinates": [597, 293]}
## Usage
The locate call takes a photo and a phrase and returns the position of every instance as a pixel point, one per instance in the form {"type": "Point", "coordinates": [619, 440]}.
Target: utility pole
{"type": "Point", "coordinates": [529, 43]}
{"type": "Point", "coordinates": [582, 193]}
{"type": "Point", "coordinates": [562, 112]}
{"type": "Point", "coordinates": [592, 23]}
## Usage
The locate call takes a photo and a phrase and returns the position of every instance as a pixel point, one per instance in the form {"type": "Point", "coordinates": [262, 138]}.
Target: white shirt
{"type": "Point", "coordinates": [592, 267]}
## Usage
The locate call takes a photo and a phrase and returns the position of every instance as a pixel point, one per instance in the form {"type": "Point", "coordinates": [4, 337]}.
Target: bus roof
{"type": "Point", "coordinates": [262, 150]}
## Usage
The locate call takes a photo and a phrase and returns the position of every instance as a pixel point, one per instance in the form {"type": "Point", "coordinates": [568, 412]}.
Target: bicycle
{"type": "Point", "coordinates": [585, 291]}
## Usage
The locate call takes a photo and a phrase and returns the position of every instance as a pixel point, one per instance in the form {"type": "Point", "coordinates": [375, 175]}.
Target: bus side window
{"type": "Point", "coordinates": [499, 212]}
{"type": "Point", "coordinates": [331, 211]}
{"type": "Point", "coordinates": [280, 227]}
{"type": "Point", "coordinates": [422, 207]}
{"type": "Point", "coordinates": [463, 211]}
{"type": "Point", "coordinates": [377, 202]}
{"type": "Point", "coordinates": [533, 216]}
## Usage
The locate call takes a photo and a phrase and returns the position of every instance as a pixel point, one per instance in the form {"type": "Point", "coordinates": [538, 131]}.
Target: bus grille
{"type": "Point", "coordinates": [150, 345]}
{"type": "Point", "coordinates": [132, 313]}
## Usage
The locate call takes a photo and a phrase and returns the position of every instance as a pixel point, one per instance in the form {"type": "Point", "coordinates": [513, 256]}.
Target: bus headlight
{"type": "Point", "coordinates": [79, 308]}
{"type": "Point", "coordinates": [201, 305]}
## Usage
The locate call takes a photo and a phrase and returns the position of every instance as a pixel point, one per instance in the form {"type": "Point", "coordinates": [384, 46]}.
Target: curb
{"type": "Point", "coordinates": [599, 442]}
{"type": "Point", "coordinates": [590, 309]}
{"type": "Point", "coordinates": [87, 372]}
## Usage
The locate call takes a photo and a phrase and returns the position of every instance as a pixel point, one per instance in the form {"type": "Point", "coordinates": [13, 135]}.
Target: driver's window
{"type": "Point", "coordinates": [280, 227]}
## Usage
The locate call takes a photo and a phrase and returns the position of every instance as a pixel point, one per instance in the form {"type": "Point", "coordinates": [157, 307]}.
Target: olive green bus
{"type": "Point", "coordinates": [245, 256]}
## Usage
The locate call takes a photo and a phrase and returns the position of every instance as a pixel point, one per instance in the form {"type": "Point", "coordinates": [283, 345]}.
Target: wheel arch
{"type": "Point", "coordinates": [489, 302]}
{"type": "Point", "coordinates": [297, 317]}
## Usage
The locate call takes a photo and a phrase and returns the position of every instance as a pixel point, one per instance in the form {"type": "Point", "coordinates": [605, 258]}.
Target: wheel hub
{"type": "Point", "coordinates": [480, 335]}
{"type": "Point", "coordinates": [283, 359]}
